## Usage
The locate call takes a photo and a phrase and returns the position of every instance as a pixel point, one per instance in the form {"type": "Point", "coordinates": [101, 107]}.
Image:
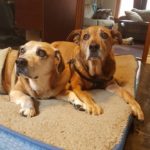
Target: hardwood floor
{"type": "Point", "coordinates": [139, 134]}
{"type": "Point", "coordinates": [135, 49]}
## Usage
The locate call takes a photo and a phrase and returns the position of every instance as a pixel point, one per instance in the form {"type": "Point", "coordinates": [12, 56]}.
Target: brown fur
{"type": "Point", "coordinates": [44, 76]}
{"type": "Point", "coordinates": [94, 72]}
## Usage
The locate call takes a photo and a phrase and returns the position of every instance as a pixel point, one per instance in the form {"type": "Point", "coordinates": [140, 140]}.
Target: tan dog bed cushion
{"type": "Point", "coordinates": [59, 124]}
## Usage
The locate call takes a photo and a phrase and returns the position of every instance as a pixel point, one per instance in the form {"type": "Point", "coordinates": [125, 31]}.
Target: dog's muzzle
{"type": "Point", "coordinates": [94, 50]}
{"type": "Point", "coordinates": [21, 65]}
{"type": "Point", "coordinates": [21, 62]}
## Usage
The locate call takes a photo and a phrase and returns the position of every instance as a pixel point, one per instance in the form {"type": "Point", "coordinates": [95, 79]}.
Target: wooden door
{"type": "Point", "coordinates": [55, 19]}
{"type": "Point", "coordinates": [61, 17]}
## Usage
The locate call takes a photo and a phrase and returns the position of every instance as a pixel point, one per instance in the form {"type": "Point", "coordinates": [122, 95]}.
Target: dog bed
{"type": "Point", "coordinates": [10, 140]}
{"type": "Point", "coordinates": [59, 124]}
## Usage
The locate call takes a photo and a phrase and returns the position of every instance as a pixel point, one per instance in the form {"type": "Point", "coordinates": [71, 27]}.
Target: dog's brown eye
{"type": "Point", "coordinates": [41, 53]}
{"type": "Point", "coordinates": [104, 35]}
{"type": "Point", "coordinates": [22, 50]}
{"type": "Point", "coordinates": [86, 36]}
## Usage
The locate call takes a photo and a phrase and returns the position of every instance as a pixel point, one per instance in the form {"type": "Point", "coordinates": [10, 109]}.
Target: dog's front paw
{"type": "Point", "coordinates": [94, 109]}
{"type": "Point", "coordinates": [91, 109]}
{"type": "Point", "coordinates": [28, 112]}
{"type": "Point", "coordinates": [137, 111]}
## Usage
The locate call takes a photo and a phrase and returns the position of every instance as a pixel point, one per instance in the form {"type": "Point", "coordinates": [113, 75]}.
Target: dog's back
{"type": "Point", "coordinates": [68, 50]}
{"type": "Point", "coordinates": [9, 71]}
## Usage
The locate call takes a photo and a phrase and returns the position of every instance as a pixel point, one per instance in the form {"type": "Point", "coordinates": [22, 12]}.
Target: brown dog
{"type": "Point", "coordinates": [38, 72]}
{"type": "Point", "coordinates": [94, 66]}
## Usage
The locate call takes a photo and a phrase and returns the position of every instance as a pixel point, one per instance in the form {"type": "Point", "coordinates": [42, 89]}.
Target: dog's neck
{"type": "Point", "coordinates": [92, 67]}
{"type": "Point", "coordinates": [51, 85]}
{"type": "Point", "coordinates": [40, 86]}
{"type": "Point", "coordinates": [105, 68]}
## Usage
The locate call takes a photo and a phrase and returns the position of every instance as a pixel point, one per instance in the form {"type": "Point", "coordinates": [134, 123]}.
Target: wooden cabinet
{"type": "Point", "coordinates": [55, 19]}
{"type": "Point", "coordinates": [29, 14]}
{"type": "Point", "coordinates": [146, 51]}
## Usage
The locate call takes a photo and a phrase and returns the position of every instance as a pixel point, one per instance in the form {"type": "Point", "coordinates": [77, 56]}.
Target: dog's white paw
{"type": "Point", "coordinates": [28, 112]}
{"type": "Point", "coordinates": [93, 109]}
{"type": "Point", "coordinates": [78, 105]}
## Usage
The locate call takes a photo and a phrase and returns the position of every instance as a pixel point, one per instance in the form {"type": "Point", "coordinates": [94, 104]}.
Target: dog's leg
{"type": "Point", "coordinates": [128, 98]}
{"type": "Point", "coordinates": [72, 98]}
{"type": "Point", "coordinates": [25, 101]}
{"type": "Point", "coordinates": [91, 106]}
{"type": "Point", "coordinates": [81, 101]}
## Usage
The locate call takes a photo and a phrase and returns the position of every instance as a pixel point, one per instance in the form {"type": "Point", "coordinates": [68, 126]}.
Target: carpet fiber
{"type": "Point", "coordinates": [59, 124]}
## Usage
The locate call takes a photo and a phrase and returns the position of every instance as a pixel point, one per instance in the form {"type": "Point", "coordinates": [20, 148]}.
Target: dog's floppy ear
{"type": "Point", "coordinates": [59, 61]}
{"type": "Point", "coordinates": [117, 37]}
{"type": "Point", "coordinates": [74, 36]}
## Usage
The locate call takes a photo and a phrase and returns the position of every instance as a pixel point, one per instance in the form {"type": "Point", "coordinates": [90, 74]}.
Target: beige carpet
{"type": "Point", "coordinates": [59, 124]}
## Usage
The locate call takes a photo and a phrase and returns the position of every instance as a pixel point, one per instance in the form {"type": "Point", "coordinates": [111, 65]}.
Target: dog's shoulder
{"type": "Point", "coordinates": [68, 50]}
{"type": "Point", "coordinates": [8, 69]}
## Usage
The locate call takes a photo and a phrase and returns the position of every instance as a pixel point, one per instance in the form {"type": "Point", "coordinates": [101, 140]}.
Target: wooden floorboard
{"type": "Point", "coordinates": [139, 135]}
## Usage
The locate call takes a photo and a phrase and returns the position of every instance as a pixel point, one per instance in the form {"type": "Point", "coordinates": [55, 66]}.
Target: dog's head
{"type": "Point", "coordinates": [38, 59]}
{"type": "Point", "coordinates": [96, 44]}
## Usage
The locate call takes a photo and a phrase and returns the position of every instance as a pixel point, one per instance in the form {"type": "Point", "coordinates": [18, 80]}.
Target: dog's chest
{"type": "Point", "coordinates": [41, 90]}
{"type": "Point", "coordinates": [98, 83]}
{"type": "Point", "coordinates": [33, 85]}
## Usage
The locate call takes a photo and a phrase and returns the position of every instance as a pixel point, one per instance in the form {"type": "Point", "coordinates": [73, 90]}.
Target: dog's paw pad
{"type": "Point", "coordinates": [22, 114]}
{"type": "Point", "coordinates": [27, 112]}
{"type": "Point", "coordinates": [79, 107]}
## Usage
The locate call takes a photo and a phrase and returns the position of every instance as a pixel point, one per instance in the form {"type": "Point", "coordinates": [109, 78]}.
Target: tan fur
{"type": "Point", "coordinates": [8, 77]}
{"type": "Point", "coordinates": [46, 77]}
{"type": "Point", "coordinates": [103, 67]}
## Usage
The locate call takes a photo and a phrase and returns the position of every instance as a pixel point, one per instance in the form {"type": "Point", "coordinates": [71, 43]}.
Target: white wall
{"type": "Point", "coordinates": [90, 1]}
{"type": "Point", "coordinates": [110, 4]}
{"type": "Point", "coordinates": [99, 2]}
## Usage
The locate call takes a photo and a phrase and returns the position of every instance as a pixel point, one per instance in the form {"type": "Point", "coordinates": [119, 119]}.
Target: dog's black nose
{"type": "Point", "coordinates": [21, 62]}
{"type": "Point", "coordinates": [94, 47]}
